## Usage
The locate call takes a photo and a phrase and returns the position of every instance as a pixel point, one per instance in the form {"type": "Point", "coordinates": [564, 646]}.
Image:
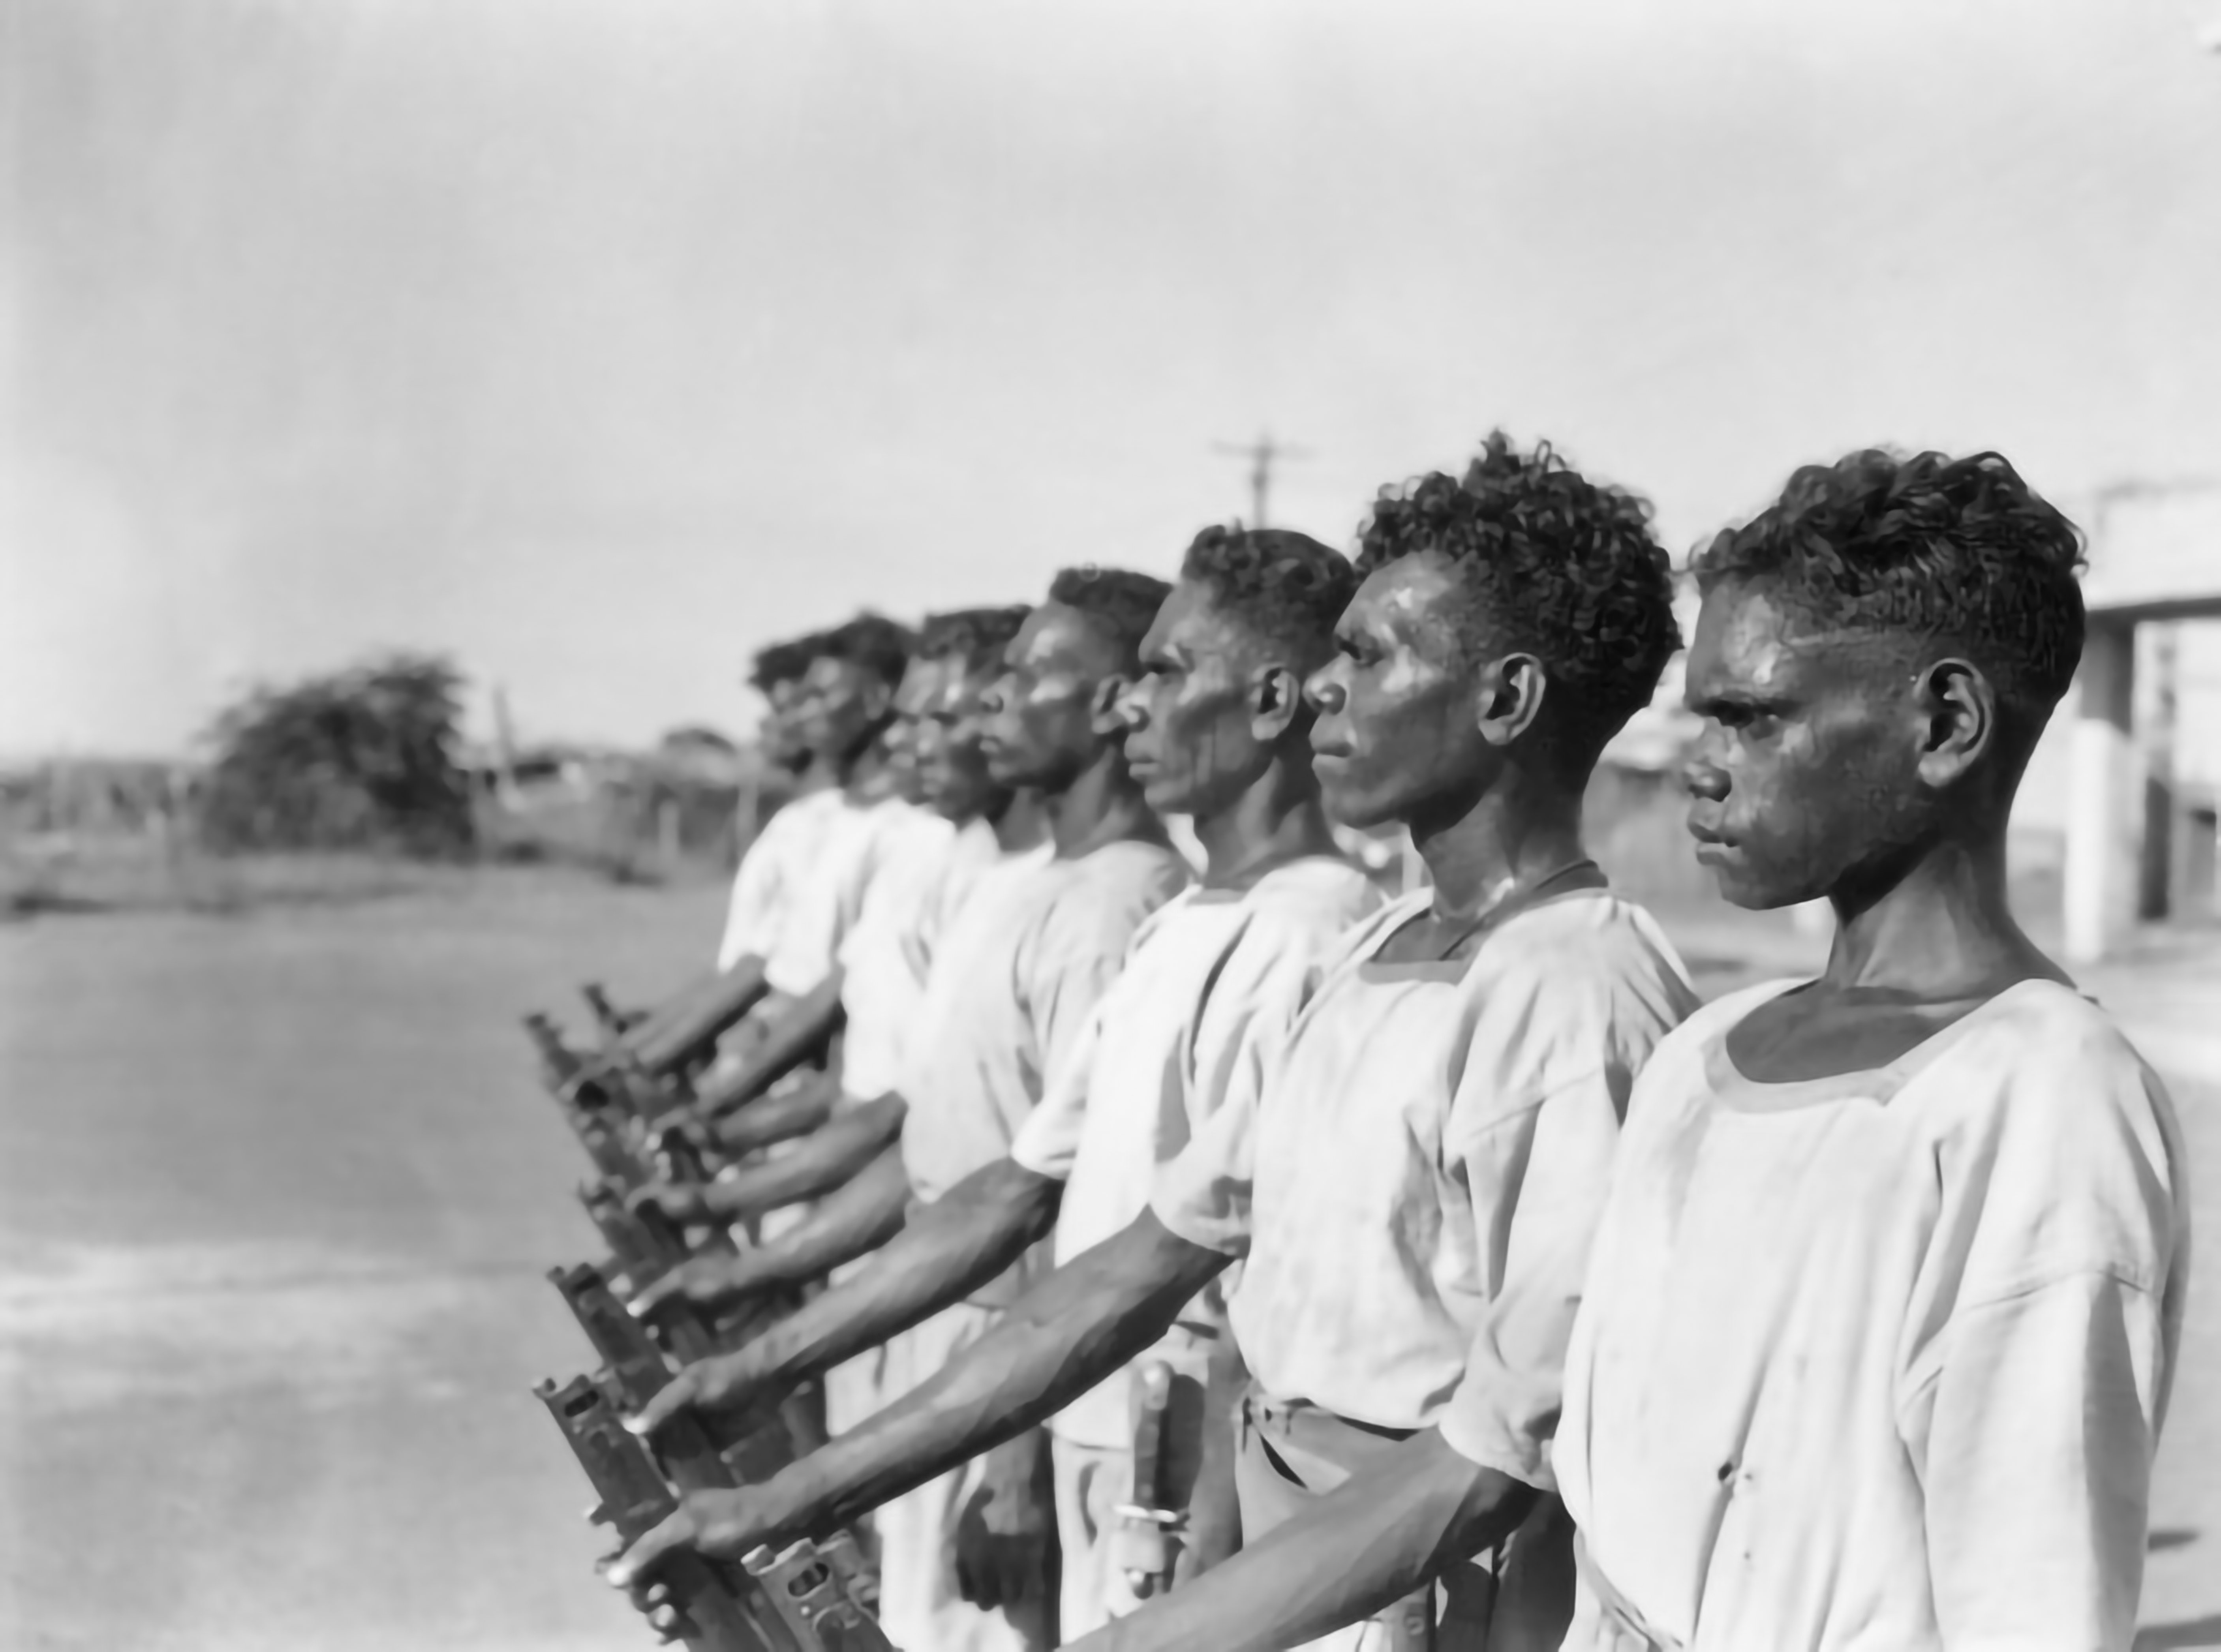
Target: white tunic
{"type": "Point", "coordinates": [768, 874]}
{"type": "Point", "coordinates": [851, 843]}
{"type": "Point", "coordinates": [1209, 970]}
{"type": "Point", "coordinates": [1022, 963]}
{"type": "Point", "coordinates": [1879, 1360]}
{"type": "Point", "coordinates": [885, 957]}
{"type": "Point", "coordinates": [1430, 1138]}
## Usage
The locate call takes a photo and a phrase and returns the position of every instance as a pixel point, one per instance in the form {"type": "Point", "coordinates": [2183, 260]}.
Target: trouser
{"type": "Point", "coordinates": [919, 1606]}
{"type": "Point", "coordinates": [1092, 1483]}
{"type": "Point", "coordinates": [1290, 1454]}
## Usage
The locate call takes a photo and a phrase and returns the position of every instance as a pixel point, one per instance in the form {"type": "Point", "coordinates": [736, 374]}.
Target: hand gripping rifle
{"type": "Point", "coordinates": [645, 1062]}
{"type": "Point", "coordinates": [644, 1245]}
{"type": "Point", "coordinates": [794, 1601]}
{"type": "Point", "coordinates": [709, 1612]}
{"type": "Point", "coordinates": [667, 1046]}
{"type": "Point", "coordinates": [747, 1448]}
{"type": "Point", "coordinates": [698, 1451]}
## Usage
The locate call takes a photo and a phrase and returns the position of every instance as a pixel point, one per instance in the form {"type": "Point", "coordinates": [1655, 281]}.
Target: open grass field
{"type": "Point", "coordinates": [278, 1191]}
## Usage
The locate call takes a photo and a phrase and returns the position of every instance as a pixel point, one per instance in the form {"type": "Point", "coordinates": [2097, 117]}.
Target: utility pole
{"type": "Point", "coordinates": [504, 750]}
{"type": "Point", "coordinates": [1260, 453]}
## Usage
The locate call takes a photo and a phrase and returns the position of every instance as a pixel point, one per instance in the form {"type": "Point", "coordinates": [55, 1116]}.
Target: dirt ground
{"type": "Point", "coordinates": [280, 1191]}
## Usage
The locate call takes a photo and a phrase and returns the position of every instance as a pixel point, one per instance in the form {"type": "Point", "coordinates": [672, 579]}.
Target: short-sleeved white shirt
{"type": "Point", "coordinates": [1424, 1138]}
{"type": "Point", "coordinates": [767, 875]}
{"type": "Point", "coordinates": [852, 843]}
{"type": "Point", "coordinates": [885, 957]}
{"type": "Point", "coordinates": [1020, 966]}
{"type": "Point", "coordinates": [1881, 1359]}
{"type": "Point", "coordinates": [1209, 971]}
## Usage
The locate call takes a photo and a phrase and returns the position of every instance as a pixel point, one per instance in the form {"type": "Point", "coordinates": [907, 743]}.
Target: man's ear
{"type": "Point", "coordinates": [1511, 698]}
{"type": "Point", "coordinates": [879, 698]}
{"type": "Point", "coordinates": [1958, 711]}
{"type": "Point", "coordinates": [1103, 717]}
{"type": "Point", "coordinates": [1276, 702]}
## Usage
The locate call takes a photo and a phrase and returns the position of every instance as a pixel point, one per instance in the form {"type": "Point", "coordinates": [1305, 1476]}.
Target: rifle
{"type": "Point", "coordinates": [752, 1446]}
{"type": "Point", "coordinates": [710, 1610]}
{"type": "Point", "coordinates": [645, 1244]}
{"type": "Point", "coordinates": [615, 1077]}
{"type": "Point", "coordinates": [615, 1023]}
{"type": "Point", "coordinates": [593, 1108]}
{"type": "Point", "coordinates": [823, 1593]}
{"type": "Point", "coordinates": [815, 1586]}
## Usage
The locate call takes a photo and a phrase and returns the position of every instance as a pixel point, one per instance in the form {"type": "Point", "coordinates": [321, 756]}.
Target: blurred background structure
{"type": "Point", "coordinates": [2127, 783]}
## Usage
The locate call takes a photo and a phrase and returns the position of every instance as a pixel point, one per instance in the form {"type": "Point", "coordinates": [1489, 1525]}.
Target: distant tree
{"type": "Point", "coordinates": [360, 758]}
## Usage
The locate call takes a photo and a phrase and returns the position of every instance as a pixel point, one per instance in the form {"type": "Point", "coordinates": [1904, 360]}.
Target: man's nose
{"type": "Point", "coordinates": [1323, 689]}
{"type": "Point", "coordinates": [1129, 710]}
{"type": "Point", "coordinates": [1704, 779]}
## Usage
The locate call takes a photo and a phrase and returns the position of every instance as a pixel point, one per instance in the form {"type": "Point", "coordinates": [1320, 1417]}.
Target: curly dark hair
{"type": "Point", "coordinates": [877, 643]}
{"type": "Point", "coordinates": [1552, 564]}
{"type": "Point", "coordinates": [978, 636]}
{"type": "Point", "coordinates": [1287, 587]}
{"type": "Point", "coordinates": [1957, 550]}
{"type": "Point", "coordinates": [1121, 604]}
{"type": "Point", "coordinates": [785, 663]}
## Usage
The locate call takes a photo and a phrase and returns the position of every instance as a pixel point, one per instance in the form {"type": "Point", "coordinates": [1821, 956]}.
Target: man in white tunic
{"type": "Point", "coordinates": [1901, 1251]}
{"type": "Point", "coordinates": [763, 880]}
{"type": "Point", "coordinates": [955, 823]}
{"type": "Point", "coordinates": [1022, 963]}
{"type": "Point", "coordinates": [770, 866]}
{"type": "Point", "coordinates": [1217, 730]}
{"type": "Point", "coordinates": [1401, 1160]}
{"type": "Point", "coordinates": [1882, 1306]}
{"type": "Point", "coordinates": [800, 885]}
{"type": "Point", "coordinates": [843, 712]}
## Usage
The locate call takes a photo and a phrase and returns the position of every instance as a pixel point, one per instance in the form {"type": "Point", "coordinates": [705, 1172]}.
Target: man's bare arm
{"type": "Point", "coordinates": [1070, 1332]}
{"type": "Point", "coordinates": [669, 1044]}
{"type": "Point", "coordinates": [834, 1153]}
{"type": "Point", "coordinates": [858, 1219]}
{"type": "Point", "coordinates": [1366, 1545]}
{"type": "Point", "coordinates": [946, 1251]}
{"type": "Point", "coordinates": [777, 1118]}
{"type": "Point", "coordinates": [804, 1027]}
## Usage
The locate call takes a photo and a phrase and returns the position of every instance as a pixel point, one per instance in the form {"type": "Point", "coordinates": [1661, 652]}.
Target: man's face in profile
{"type": "Point", "coordinates": [1806, 771]}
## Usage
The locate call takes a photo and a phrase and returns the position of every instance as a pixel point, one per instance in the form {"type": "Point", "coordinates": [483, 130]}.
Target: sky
{"type": "Point", "coordinates": [597, 343]}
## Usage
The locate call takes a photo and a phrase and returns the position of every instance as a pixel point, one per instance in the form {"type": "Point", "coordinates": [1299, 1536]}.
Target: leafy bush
{"type": "Point", "coordinates": [363, 759]}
